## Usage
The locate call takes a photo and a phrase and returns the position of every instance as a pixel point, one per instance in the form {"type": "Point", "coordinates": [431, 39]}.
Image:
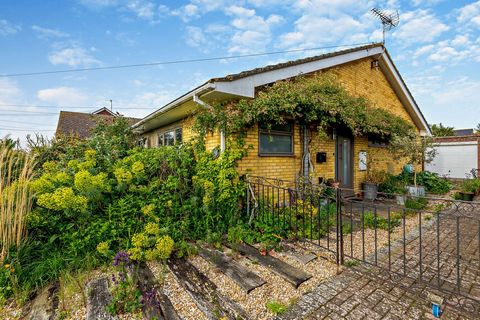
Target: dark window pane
{"type": "Point", "coordinates": [169, 138]}
{"type": "Point", "coordinates": [287, 127]}
{"type": "Point", "coordinates": [280, 144]}
{"type": "Point", "coordinates": [160, 140]}
{"type": "Point", "coordinates": [178, 135]}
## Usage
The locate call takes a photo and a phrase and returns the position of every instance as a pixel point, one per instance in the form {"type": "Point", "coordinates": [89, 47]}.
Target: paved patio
{"type": "Point", "coordinates": [367, 292]}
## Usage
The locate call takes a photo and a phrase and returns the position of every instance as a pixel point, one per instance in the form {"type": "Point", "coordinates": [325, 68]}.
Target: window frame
{"type": "Point", "coordinates": [277, 133]}
{"type": "Point", "coordinates": [161, 143]}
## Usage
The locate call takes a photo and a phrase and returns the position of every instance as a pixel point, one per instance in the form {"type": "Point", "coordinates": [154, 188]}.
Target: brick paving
{"type": "Point", "coordinates": [394, 289]}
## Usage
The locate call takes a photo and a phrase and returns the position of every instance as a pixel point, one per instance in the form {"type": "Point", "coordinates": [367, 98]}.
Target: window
{"type": "Point", "coordinates": [377, 142]}
{"type": "Point", "coordinates": [142, 142]}
{"type": "Point", "coordinates": [276, 140]}
{"type": "Point", "coordinates": [170, 137]}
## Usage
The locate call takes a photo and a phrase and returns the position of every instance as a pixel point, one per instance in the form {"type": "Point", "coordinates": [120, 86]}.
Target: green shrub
{"type": "Point", "coordinates": [416, 203]}
{"type": "Point", "coordinates": [433, 183]}
{"type": "Point", "coordinates": [470, 185]}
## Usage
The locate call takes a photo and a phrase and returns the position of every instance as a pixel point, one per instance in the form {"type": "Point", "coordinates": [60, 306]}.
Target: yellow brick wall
{"type": "Point", "coordinates": [359, 79]}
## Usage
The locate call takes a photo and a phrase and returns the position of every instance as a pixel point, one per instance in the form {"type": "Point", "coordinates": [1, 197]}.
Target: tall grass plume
{"type": "Point", "coordinates": [16, 172]}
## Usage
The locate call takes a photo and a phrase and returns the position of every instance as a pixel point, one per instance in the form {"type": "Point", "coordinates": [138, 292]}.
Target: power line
{"type": "Point", "coordinates": [67, 107]}
{"type": "Point", "coordinates": [22, 122]}
{"type": "Point", "coordinates": [178, 61]}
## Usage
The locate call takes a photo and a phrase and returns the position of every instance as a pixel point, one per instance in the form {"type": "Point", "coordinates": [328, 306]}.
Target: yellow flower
{"type": "Point", "coordinates": [135, 253]}
{"type": "Point", "coordinates": [7, 266]}
{"type": "Point", "coordinates": [49, 166]}
{"type": "Point", "coordinates": [148, 209]}
{"type": "Point", "coordinates": [164, 247]}
{"type": "Point", "coordinates": [152, 228]}
{"type": "Point", "coordinates": [139, 240]}
{"type": "Point", "coordinates": [103, 248]}
{"type": "Point", "coordinates": [138, 168]}
{"type": "Point", "coordinates": [123, 175]}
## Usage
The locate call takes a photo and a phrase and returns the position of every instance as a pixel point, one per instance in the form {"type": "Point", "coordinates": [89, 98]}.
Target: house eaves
{"type": "Point", "coordinates": [245, 83]}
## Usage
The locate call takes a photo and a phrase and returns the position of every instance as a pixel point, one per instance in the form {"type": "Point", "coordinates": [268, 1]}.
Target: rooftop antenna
{"type": "Point", "coordinates": [389, 19]}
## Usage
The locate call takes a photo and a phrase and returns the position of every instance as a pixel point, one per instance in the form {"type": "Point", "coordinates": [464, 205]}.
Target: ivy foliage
{"type": "Point", "coordinates": [319, 99]}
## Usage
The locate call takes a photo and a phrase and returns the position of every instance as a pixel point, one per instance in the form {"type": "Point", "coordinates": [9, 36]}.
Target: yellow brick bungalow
{"type": "Point", "coordinates": [366, 71]}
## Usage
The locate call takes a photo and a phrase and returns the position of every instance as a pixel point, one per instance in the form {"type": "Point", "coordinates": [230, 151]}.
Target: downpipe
{"type": "Point", "coordinates": [197, 100]}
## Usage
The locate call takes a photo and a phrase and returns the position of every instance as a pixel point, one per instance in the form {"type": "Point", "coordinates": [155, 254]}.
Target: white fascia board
{"type": "Point", "coordinates": [409, 99]}
{"type": "Point", "coordinates": [189, 95]}
{"type": "Point", "coordinates": [246, 86]}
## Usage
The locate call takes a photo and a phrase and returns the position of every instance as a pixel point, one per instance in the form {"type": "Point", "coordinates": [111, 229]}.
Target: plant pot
{"type": "Point", "coordinates": [370, 191]}
{"type": "Point", "coordinates": [467, 196]}
{"type": "Point", "coordinates": [416, 191]}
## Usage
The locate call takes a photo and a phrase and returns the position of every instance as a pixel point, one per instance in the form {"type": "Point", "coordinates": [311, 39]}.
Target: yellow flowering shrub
{"type": "Point", "coordinates": [123, 176]}
{"type": "Point", "coordinates": [87, 183]}
{"type": "Point", "coordinates": [103, 248]}
{"type": "Point", "coordinates": [63, 199]}
{"type": "Point", "coordinates": [49, 166]}
{"type": "Point", "coordinates": [150, 245]}
{"type": "Point", "coordinates": [138, 168]}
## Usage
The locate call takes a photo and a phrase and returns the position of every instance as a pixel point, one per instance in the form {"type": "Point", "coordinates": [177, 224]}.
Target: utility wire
{"type": "Point", "coordinates": [67, 107]}
{"type": "Point", "coordinates": [178, 61]}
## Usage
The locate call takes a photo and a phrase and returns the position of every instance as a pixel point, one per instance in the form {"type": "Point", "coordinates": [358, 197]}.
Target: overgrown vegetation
{"type": "Point", "coordinates": [97, 197]}
{"type": "Point", "coordinates": [433, 183]}
{"type": "Point", "coordinates": [319, 100]}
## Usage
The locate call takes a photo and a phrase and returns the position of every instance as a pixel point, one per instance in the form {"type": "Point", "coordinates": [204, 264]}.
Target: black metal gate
{"type": "Point", "coordinates": [431, 241]}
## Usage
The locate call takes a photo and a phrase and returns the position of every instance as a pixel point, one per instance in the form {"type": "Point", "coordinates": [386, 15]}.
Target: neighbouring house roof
{"type": "Point", "coordinates": [244, 84]}
{"type": "Point", "coordinates": [105, 111]}
{"type": "Point", "coordinates": [80, 124]}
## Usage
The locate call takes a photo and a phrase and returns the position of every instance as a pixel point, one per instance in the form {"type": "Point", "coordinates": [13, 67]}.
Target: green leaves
{"type": "Point", "coordinates": [317, 100]}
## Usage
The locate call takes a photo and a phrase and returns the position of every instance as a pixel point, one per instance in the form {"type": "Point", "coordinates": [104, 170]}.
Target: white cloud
{"type": "Point", "coordinates": [74, 56]}
{"type": "Point", "coordinates": [195, 37]}
{"type": "Point", "coordinates": [62, 96]}
{"type": "Point", "coordinates": [469, 13]}
{"type": "Point", "coordinates": [6, 28]}
{"type": "Point", "coordinates": [419, 26]}
{"type": "Point", "coordinates": [325, 22]}
{"type": "Point", "coordinates": [253, 33]}
{"type": "Point", "coordinates": [45, 33]}
{"type": "Point", "coordinates": [187, 12]}
{"type": "Point", "coordinates": [9, 91]}
{"type": "Point", "coordinates": [418, 3]}
{"type": "Point", "coordinates": [143, 9]}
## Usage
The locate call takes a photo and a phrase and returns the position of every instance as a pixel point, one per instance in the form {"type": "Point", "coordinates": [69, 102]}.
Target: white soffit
{"type": "Point", "coordinates": [246, 86]}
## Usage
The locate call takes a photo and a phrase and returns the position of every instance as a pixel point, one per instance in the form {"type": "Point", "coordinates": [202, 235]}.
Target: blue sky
{"type": "Point", "coordinates": [436, 48]}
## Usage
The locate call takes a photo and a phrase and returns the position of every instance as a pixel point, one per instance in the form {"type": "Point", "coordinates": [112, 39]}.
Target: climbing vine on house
{"type": "Point", "coordinates": [319, 99]}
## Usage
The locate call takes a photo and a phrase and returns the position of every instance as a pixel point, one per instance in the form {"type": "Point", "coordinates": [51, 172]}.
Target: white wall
{"type": "Point", "coordinates": [454, 159]}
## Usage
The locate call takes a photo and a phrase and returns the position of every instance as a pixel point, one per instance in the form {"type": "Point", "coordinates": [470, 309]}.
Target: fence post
{"type": "Point", "coordinates": [339, 231]}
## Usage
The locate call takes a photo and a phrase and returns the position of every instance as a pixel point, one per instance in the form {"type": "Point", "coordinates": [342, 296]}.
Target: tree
{"type": "Point", "coordinates": [441, 131]}
{"type": "Point", "coordinates": [415, 149]}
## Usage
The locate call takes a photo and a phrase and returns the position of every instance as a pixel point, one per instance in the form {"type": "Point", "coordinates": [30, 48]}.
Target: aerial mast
{"type": "Point", "coordinates": [389, 20]}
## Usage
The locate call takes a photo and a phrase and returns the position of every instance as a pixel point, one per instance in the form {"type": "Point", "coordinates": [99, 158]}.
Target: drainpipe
{"type": "Point", "coordinates": [306, 154]}
{"type": "Point", "coordinates": [197, 100]}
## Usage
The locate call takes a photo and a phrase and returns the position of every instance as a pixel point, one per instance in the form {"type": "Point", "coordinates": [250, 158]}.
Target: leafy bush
{"type": "Point", "coordinates": [433, 182]}
{"type": "Point", "coordinates": [470, 185]}
{"type": "Point", "coordinates": [370, 220]}
{"type": "Point", "coordinates": [103, 195]}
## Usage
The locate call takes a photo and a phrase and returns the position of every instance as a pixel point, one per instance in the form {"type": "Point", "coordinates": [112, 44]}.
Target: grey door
{"type": "Point", "coordinates": [344, 162]}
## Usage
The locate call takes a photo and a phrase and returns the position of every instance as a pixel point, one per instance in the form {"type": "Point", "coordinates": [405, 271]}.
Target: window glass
{"type": "Point", "coordinates": [278, 139]}
{"type": "Point", "coordinates": [178, 135]}
{"type": "Point", "coordinates": [169, 138]}
{"type": "Point", "coordinates": [160, 140]}
{"type": "Point", "coordinates": [276, 144]}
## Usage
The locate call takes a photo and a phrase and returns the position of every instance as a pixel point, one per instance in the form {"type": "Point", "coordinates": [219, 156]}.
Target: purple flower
{"type": "Point", "coordinates": [114, 280]}
{"type": "Point", "coordinates": [150, 297]}
{"type": "Point", "coordinates": [121, 258]}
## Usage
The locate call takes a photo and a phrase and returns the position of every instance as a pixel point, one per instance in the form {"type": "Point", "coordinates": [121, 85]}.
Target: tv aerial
{"type": "Point", "coordinates": [389, 20]}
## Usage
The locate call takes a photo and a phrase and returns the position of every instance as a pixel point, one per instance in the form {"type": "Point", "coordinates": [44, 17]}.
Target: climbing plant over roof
{"type": "Point", "coordinates": [319, 99]}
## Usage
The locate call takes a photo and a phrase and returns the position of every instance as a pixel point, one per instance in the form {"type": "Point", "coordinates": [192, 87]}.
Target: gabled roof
{"type": "Point", "coordinates": [244, 84]}
{"type": "Point", "coordinates": [105, 111]}
{"type": "Point", "coordinates": [80, 124]}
